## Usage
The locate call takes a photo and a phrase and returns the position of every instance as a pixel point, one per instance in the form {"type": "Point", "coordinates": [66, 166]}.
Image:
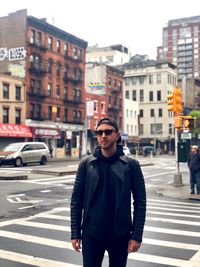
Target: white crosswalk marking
{"type": "Point", "coordinates": [169, 216]}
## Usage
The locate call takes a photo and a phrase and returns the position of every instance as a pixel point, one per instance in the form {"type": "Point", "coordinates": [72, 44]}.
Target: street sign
{"type": "Point", "coordinates": [186, 136]}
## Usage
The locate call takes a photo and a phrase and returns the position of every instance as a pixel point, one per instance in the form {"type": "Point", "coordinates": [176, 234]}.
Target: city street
{"type": "Point", "coordinates": [35, 219]}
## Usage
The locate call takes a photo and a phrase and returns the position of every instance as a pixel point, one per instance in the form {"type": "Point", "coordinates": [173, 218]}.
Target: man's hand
{"type": "Point", "coordinates": [133, 246]}
{"type": "Point", "coordinates": [76, 244]}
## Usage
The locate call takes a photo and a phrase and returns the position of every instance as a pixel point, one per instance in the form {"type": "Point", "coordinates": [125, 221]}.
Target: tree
{"type": "Point", "coordinates": [196, 113]}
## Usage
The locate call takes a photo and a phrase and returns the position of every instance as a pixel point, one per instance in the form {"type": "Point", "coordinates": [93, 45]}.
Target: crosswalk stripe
{"type": "Point", "coordinates": [172, 205]}
{"type": "Point", "coordinates": [171, 231]}
{"type": "Point", "coordinates": [67, 245]}
{"type": "Point", "coordinates": [32, 260]}
{"type": "Point", "coordinates": [173, 221]}
{"type": "Point", "coordinates": [50, 179]}
{"type": "Point", "coordinates": [150, 207]}
{"type": "Point", "coordinates": [173, 214]}
{"type": "Point", "coordinates": [174, 202]}
{"type": "Point", "coordinates": [161, 260]}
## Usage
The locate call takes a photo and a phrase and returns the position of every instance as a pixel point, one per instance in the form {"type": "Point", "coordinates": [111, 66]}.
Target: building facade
{"type": "Point", "coordinates": [12, 111]}
{"type": "Point", "coordinates": [181, 46]}
{"type": "Point", "coordinates": [104, 93]}
{"type": "Point", "coordinates": [52, 62]}
{"type": "Point", "coordinates": [111, 55]}
{"type": "Point", "coordinates": [149, 82]}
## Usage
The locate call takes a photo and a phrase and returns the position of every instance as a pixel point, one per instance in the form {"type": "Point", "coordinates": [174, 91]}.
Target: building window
{"type": "Point", "coordinates": [49, 66]}
{"type": "Point", "coordinates": [152, 113]}
{"type": "Point", "coordinates": [5, 115]}
{"type": "Point", "coordinates": [109, 81]}
{"type": "Point", "coordinates": [160, 113]}
{"type": "Point", "coordinates": [150, 79]}
{"type": "Point", "coordinates": [102, 107]}
{"type": "Point", "coordinates": [58, 66]}
{"type": "Point", "coordinates": [158, 78]}
{"type": "Point", "coordinates": [134, 95]}
{"type": "Point", "coordinates": [156, 128]}
{"type": "Point", "coordinates": [49, 112]}
{"type": "Point", "coordinates": [65, 71]}
{"type": "Point", "coordinates": [127, 94]}
{"type": "Point", "coordinates": [65, 115]}
{"type": "Point", "coordinates": [65, 93]}
{"type": "Point", "coordinates": [141, 113]}
{"type": "Point", "coordinates": [17, 116]}
{"type": "Point", "coordinates": [151, 96]}
{"type": "Point", "coordinates": [75, 53]}
{"type": "Point", "coordinates": [6, 91]}
{"type": "Point", "coordinates": [32, 110]}
{"type": "Point", "coordinates": [159, 95]}
{"type": "Point", "coordinates": [170, 128]}
{"type": "Point", "coordinates": [17, 93]}
{"type": "Point", "coordinates": [39, 38]}
{"type": "Point", "coordinates": [38, 111]}
{"type": "Point", "coordinates": [58, 46]}
{"type": "Point", "coordinates": [58, 91]}
{"type": "Point", "coordinates": [141, 129]}
{"type": "Point", "coordinates": [95, 106]}
{"type": "Point", "coordinates": [49, 89]}
{"type": "Point", "coordinates": [65, 48]}
{"type": "Point", "coordinates": [141, 95]}
{"type": "Point", "coordinates": [32, 37]}
{"type": "Point", "coordinates": [50, 43]}
{"type": "Point", "coordinates": [134, 80]}
{"type": "Point", "coordinates": [141, 79]}
{"type": "Point", "coordinates": [58, 114]}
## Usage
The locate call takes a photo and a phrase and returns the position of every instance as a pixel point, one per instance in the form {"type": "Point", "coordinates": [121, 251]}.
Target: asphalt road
{"type": "Point", "coordinates": [35, 220]}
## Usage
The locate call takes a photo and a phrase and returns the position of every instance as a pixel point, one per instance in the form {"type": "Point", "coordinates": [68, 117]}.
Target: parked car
{"type": "Point", "coordinates": [19, 154]}
{"type": "Point", "coordinates": [126, 151]}
{"type": "Point", "coordinates": [147, 150]}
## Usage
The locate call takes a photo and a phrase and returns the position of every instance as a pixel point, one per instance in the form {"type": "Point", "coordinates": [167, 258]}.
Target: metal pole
{"type": "Point", "coordinates": [86, 125]}
{"type": "Point", "coordinates": [177, 176]}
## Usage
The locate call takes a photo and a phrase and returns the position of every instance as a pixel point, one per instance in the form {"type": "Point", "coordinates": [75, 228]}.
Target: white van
{"type": "Point", "coordinates": [19, 154]}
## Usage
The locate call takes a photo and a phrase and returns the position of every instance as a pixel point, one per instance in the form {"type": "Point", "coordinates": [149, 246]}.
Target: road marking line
{"type": "Point", "coordinates": [173, 214]}
{"type": "Point", "coordinates": [180, 208]}
{"type": "Point", "coordinates": [173, 221]}
{"type": "Point", "coordinates": [19, 195]}
{"type": "Point", "coordinates": [27, 207]}
{"type": "Point", "coordinates": [45, 191]}
{"type": "Point", "coordinates": [44, 226]}
{"type": "Point", "coordinates": [174, 202]}
{"type": "Point", "coordinates": [32, 260]}
{"type": "Point", "coordinates": [171, 231]}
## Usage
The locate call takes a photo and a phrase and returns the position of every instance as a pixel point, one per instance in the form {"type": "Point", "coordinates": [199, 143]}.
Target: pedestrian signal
{"type": "Point", "coordinates": [189, 123]}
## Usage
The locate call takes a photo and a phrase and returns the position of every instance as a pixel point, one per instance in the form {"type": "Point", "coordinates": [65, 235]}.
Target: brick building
{"type": "Point", "coordinates": [52, 62]}
{"type": "Point", "coordinates": [104, 88]}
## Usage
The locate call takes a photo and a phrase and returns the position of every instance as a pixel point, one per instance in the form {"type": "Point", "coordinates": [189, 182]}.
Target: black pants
{"type": "Point", "coordinates": [93, 250]}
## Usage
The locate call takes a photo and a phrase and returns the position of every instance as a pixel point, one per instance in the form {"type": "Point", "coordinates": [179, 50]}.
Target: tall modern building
{"type": "Point", "coordinates": [181, 46]}
{"type": "Point", "coordinates": [52, 64]}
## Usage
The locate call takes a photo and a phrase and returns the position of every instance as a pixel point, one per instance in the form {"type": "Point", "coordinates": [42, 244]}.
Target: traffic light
{"type": "Point", "coordinates": [178, 123]}
{"type": "Point", "coordinates": [189, 122]}
{"type": "Point", "coordinates": [170, 102]}
{"type": "Point", "coordinates": [177, 101]}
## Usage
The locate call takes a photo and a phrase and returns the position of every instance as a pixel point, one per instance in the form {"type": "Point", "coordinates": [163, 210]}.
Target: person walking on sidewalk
{"type": "Point", "coordinates": [101, 217]}
{"type": "Point", "coordinates": [194, 167]}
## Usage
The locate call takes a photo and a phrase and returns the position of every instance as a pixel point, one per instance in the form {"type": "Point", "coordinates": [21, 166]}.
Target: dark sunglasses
{"type": "Point", "coordinates": [107, 132]}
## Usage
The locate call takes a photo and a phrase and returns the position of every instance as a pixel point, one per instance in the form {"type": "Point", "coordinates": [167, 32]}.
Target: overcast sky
{"type": "Point", "coordinates": [135, 24]}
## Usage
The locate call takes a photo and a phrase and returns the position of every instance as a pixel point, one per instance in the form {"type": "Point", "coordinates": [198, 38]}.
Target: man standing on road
{"type": "Point", "coordinates": [194, 167]}
{"type": "Point", "coordinates": [101, 202]}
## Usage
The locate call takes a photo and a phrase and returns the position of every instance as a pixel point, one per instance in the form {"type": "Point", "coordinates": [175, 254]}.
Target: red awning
{"type": "Point", "coordinates": [14, 130]}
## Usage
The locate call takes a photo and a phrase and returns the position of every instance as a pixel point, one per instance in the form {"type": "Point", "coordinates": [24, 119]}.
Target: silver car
{"type": "Point", "coordinates": [19, 154]}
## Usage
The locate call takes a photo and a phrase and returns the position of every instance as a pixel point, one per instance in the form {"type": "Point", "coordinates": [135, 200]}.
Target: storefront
{"type": "Point", "coordinates": [11, 133]}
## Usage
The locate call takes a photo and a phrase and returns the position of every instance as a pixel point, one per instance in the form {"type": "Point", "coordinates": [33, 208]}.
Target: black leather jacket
{"type": "Point", "coordinates": [130, 181]}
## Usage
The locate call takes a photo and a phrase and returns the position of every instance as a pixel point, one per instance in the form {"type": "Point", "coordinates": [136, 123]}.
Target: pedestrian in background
{"type": "Point", "coordinates": [51, 150]}
{"type": "Point", "coordinates": [101, 202]}
{"type": "Point", "coordinates": [194, 167]}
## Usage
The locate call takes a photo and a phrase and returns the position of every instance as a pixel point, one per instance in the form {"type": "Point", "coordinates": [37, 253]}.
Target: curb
{"type": "Point", "coordinates": [56, 173]}
{"type": "Point", "coordinates": [14, 177]}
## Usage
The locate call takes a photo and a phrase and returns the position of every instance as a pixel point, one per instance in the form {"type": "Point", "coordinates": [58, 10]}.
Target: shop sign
{"type": "Point", "coordinates": [46, 132]}
{"type": "Point", "coordinates": [17, 53]}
